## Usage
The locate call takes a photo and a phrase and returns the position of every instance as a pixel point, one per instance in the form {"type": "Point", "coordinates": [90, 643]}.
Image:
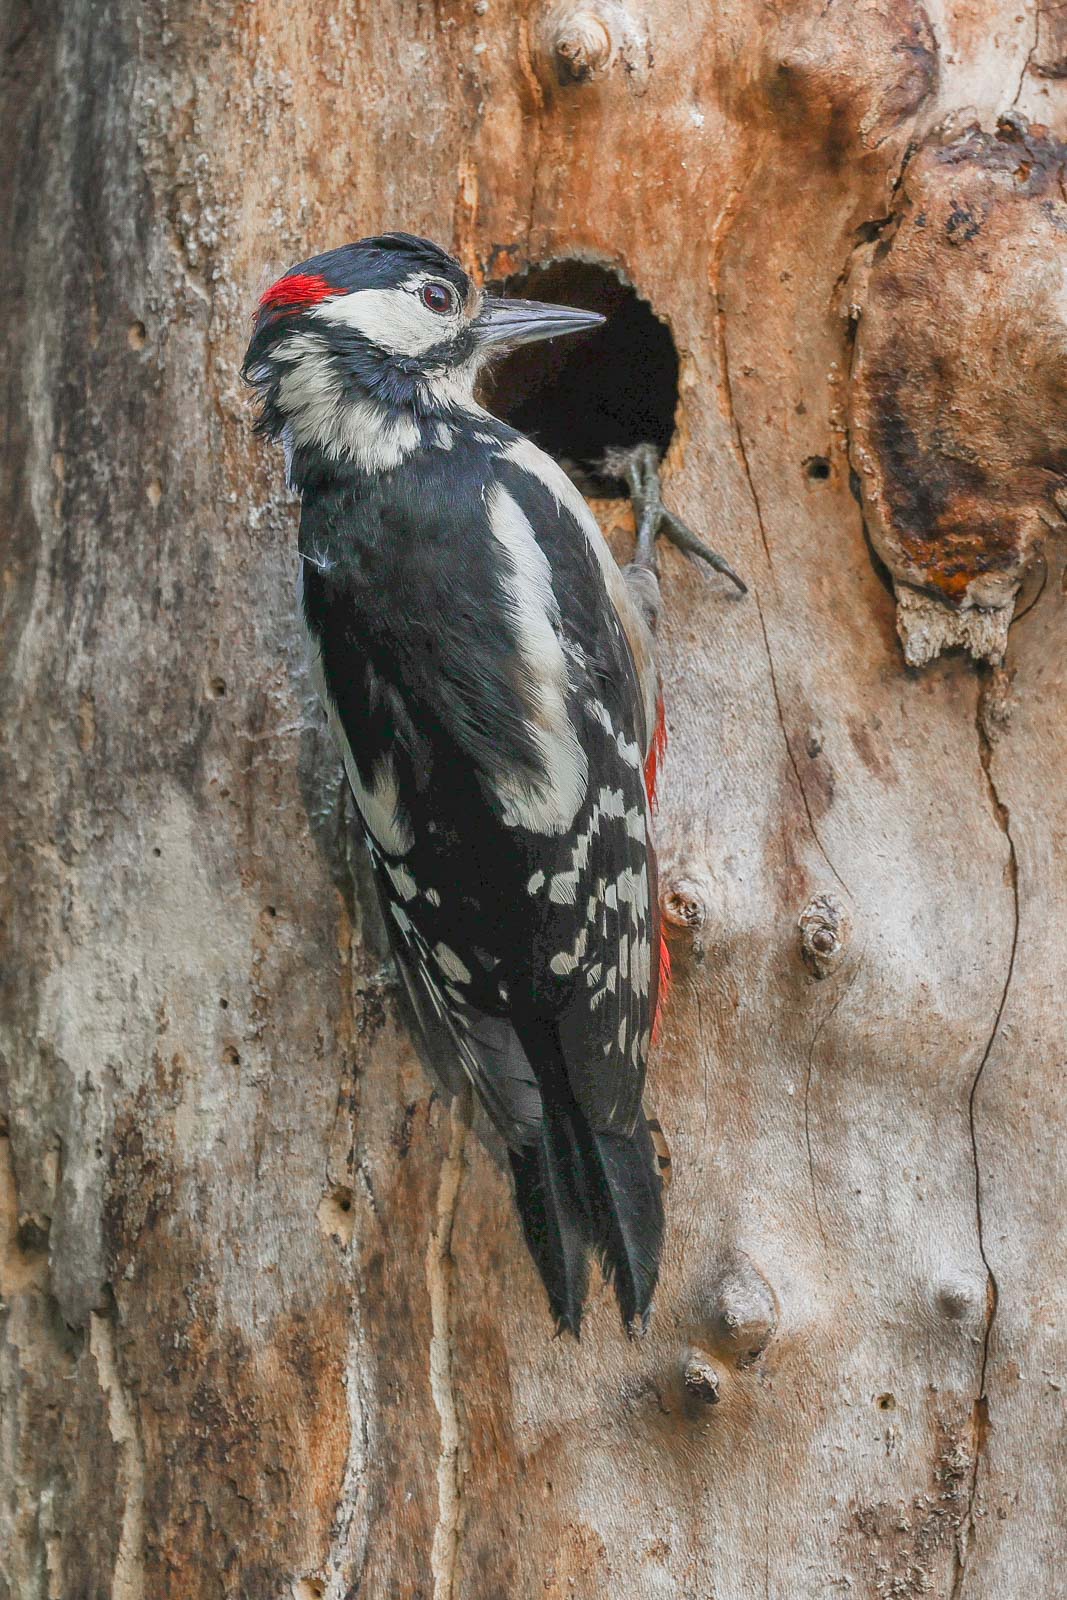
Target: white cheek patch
{"type": "Point", "coordinates": [393, 319]}
{"type": "Point", "coordinates": [308, 390]}
{"type": "Point", "coordinates": [319, 413]}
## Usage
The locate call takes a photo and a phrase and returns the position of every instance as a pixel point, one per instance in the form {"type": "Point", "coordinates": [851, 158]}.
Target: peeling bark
{"type": "Point", "coordinates": [956, 399]}
{"type": "Point", "coordinates": [268, 1326]}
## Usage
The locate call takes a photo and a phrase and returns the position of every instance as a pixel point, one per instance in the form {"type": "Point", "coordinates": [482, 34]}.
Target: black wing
{"type": "Point", "coordinates": [598, 944]}
{"type": "Point", "coordinates": [453, 1031]}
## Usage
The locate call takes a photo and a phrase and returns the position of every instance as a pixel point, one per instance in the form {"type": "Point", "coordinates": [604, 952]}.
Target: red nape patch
{"type": "Point", "coordinates": [663, 986]}
{"type": "Point", "coordinates": [298, 290]}
{"type": "Point", "coordinates": [657, 751]}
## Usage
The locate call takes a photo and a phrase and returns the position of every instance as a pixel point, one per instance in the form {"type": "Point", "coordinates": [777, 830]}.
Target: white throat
{"type": "Point", "coordinates": [320, 413]}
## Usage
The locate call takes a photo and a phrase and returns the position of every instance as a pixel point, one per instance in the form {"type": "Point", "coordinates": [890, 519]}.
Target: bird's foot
{"type": "Point", "coordinates": [638, 468]}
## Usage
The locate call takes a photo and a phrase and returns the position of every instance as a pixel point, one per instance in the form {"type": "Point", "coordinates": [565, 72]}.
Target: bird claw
{"type": "Point", "coordinates": [685, 539]}
{"type": "Point", "coordinates": [638, 468]}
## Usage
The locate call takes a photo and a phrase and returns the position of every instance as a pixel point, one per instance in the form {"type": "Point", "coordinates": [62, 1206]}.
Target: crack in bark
{"type": "Point", "coordinates": [980, 1408]}
{"type": "Point", "coordinates": [807, 1126]}
{"type": "Point", "coordinates": [742, 450]}
{"type": "Point", "coordinates": [789, 748]}
{"type": "Point", "coordinates": [440, 1270]}
{"type": "Point", "coordinates": [1024, 74]}
{"type": "Point", "coordinates": [724, 361]}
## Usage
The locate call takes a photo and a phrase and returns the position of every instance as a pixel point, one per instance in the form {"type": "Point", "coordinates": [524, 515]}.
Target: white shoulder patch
{"type": "Point", "coordinates": [525, 454]}
{"type": "Point", "coordinates": [393, 319]}
{"type": "Point", "coordinates": [548, 804]}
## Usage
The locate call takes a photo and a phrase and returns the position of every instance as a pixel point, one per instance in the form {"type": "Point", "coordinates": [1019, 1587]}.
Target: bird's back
{"type": "Point", "coordinates": [481, 679]}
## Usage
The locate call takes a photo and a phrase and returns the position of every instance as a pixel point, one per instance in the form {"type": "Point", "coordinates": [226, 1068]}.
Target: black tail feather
{"type": "Point", "coordinates": [579, 1190]}
{"type": "Point", "coordinates": [556, 1231]}
{"type": "Point", "coordinates": [627, 1218]}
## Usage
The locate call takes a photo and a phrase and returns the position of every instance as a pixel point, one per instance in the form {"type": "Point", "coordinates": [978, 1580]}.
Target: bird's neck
{"type": "Point", "coordinates": [371, 421]}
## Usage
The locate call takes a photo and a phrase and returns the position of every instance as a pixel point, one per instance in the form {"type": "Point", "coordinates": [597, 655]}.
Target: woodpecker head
{"type": "Point", "coordinates": [354, 350]}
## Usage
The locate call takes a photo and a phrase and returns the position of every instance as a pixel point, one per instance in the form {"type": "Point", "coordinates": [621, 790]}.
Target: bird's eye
{"type": "Point", "coordinates": [438, 297]}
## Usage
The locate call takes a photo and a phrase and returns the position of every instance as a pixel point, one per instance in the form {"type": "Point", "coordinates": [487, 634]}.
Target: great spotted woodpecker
{"type": "Point", "coordinates": [489, 676]}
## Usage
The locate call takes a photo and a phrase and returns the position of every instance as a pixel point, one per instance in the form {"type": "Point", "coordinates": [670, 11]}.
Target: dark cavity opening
{"type": "Point", "coordinates": [581, 395]}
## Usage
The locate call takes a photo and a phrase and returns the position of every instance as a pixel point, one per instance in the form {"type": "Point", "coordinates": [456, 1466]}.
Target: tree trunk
{"type": "Point", "coordinates": [269, 1326]}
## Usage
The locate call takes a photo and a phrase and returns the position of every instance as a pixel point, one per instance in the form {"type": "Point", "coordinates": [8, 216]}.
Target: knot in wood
{"type": "Point", "coordinates": [684, 904]}
{"type": "Point", "coordinates": [583, 46]}
{"type": "Point", "coordinates": [962, 1300]}
{"type": "Point", "coordinates": [700, 1378]}
{"type": "Point", "coordinates": [824, 927]}
{"type": "Point", "coordinates": [744, 1311]}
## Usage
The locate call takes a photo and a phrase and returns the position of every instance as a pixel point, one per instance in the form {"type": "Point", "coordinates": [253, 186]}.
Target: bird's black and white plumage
{"type": "Point", "coordinates": [488, 674]}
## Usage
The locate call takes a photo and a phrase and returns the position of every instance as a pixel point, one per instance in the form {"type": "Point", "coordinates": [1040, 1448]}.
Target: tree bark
{"type": "Point", "coordinates": [269, 1327]}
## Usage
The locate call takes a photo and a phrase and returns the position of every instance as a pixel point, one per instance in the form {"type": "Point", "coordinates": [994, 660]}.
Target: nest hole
{"type": "Point", "coordinates": [581, 395]}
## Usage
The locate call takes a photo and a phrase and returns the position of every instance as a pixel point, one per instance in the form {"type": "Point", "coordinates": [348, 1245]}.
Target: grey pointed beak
{"type": "Point", "coordinates": [505, 323]}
